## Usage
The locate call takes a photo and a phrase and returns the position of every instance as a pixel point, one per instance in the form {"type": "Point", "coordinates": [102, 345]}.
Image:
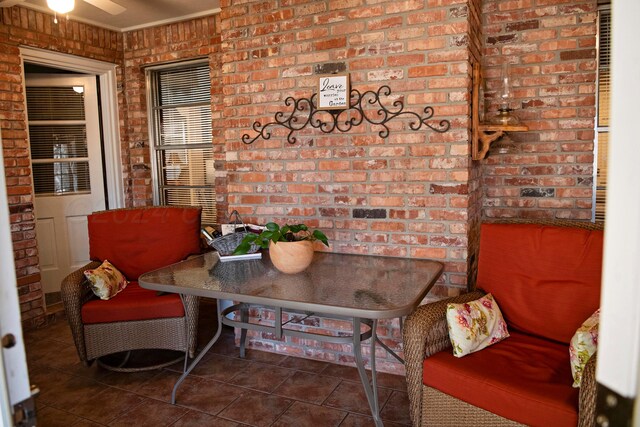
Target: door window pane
{"type": "Point", "coordinates": [61, 178]}
{"type": "Point", "coordinates": [55, 103]}
{"type": "Point", "coordinates": [58, 140]}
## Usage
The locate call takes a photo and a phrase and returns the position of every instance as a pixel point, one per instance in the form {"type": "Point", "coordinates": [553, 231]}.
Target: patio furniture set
{"type": "Point", "coordinates": [545, 278]}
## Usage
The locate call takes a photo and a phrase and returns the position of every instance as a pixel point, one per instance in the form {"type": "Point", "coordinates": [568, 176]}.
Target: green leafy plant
{"type": "Point", "coordinates": [274, 233]}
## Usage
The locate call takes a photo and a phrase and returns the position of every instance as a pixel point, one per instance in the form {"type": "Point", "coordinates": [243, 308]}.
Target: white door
{"type": "Point", "coordinates": [66, 159]}
{"type": "Point", "coordinates": [619, 340]}
{"type": "Point", "coordinates": [14, 377]}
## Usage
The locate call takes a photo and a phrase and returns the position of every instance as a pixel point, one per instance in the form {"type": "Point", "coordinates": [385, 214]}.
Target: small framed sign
{"type": "Point", "coordinates": [333, 92]}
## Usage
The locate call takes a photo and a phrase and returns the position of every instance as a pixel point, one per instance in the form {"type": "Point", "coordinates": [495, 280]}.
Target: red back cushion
{"type": "Point", "coordinates": [141, 240]}
{"type": "Point", "coordinates": [546, 279]}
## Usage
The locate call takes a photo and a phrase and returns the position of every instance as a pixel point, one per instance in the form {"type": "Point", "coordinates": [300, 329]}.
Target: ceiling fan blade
{"type": "Point", "coordinates": [9, 3]}
{"type": "Point", "coordinates": [107, 5]}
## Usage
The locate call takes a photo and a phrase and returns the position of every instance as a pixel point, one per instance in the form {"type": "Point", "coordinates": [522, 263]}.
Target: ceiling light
{"type": "Point", "coordinates": [61, 6]}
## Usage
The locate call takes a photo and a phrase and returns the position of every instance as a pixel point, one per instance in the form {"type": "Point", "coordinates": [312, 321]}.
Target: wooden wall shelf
{"type": "Point", "coordinates": [484, 134]}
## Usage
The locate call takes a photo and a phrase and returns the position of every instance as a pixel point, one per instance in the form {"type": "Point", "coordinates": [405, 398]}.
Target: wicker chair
{"type": "Point", "coordinates": [425, 333]}
{"type": "Point", "coordinates": [135, 241]}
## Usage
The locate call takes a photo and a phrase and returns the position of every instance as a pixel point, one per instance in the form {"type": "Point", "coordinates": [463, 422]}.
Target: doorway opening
{"type": "Point", "coordinates": [61, 169]}
{"type": "Point", "coordinates": [66, 152]}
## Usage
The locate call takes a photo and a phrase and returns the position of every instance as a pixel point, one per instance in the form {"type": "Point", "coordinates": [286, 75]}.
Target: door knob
{"type": "Point", "coordinates": [8, 341]}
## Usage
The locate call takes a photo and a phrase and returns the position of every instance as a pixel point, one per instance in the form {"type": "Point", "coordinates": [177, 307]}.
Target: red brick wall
{"type": "Point", "coordinates": [407, 195]}
{"type": "Point", "coordinates": [20, 26]}
{"type": "Point", "coordinates": [551, 45]}
{"type": "Point", "coordinates": [197, 38]}
{"type": "Point", "coordinates": [413, 194]}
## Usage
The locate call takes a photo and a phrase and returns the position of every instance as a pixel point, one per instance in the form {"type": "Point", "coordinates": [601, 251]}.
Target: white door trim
{"type": "Point", "coordinates": [106, 73]}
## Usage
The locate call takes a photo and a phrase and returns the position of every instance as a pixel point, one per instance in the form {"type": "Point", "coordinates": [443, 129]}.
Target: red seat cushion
{"type": "Point", "coordinates": [139, 240]}
{"type": "Point", "coordinates": [133, 303]}
{"type": "Point", "coordinates": [545, 279]}
{"type": "Point", "coordinates": [523, 378]}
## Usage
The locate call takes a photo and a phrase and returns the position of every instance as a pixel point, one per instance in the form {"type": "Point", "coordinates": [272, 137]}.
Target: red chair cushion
{"type": "Point", "coordinates": [139, 240]}
{"type": "Point", "coordinates": [545, 279]}
{"type": "Point", "coordinates": [523, 378]}
{"type": "Point", "coordinates": [133, 303]}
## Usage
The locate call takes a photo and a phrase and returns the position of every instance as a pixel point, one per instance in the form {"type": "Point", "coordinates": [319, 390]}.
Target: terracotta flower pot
{"type": "Point", "coordinates": [291, 257]}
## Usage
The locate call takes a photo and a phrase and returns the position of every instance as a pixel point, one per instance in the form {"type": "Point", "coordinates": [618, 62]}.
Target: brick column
{"type": "Point", "coordinates": [412, 194]}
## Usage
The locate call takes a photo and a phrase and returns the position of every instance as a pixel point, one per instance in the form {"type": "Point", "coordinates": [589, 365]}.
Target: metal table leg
{"type": "Point", "coordinates": [244, 318]}
{"type": "Point", "coordinates": [370, 388]}
{"type": "Point", "coordinates": [389, 350]}
{"type": "Point", "coordinates": [200, 356]}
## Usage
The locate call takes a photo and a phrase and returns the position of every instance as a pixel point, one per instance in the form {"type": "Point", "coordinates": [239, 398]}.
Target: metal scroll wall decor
{"type": "Point", "coordinates": [304, 112]}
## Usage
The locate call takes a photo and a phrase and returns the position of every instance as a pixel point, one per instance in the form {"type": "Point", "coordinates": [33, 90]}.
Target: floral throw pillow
{"type": "Point", "coordinates": [106, 281]}
{"type": "Point", "coordinates": [475, 325]}
{"type": "Point", "coordinates": [583, 344]}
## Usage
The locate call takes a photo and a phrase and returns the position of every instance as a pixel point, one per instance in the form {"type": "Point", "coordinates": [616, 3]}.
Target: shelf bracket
{"type": "Point", "coordinates": [482, 135]}
{"type": "Point", "coordinates": [485, 139]}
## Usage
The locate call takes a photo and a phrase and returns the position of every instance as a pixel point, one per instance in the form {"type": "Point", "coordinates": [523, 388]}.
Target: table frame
{"type": "Point", "coordinates": [356, 338]}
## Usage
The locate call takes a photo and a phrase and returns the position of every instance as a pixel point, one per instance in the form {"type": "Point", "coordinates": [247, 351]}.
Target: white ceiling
{"type": "Point", "coordinates": [138, 13]}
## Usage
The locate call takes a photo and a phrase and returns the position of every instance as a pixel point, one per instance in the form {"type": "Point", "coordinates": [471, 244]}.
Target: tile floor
{"type": "Point", "coordinates": [264, 389]}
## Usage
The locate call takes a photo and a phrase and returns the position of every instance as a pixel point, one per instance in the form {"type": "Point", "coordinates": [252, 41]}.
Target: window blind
{"type": "Point", "coordinates": [602, 119]}
{"type": "Point", "coordinates": [54, 103]}
{"type": "Point", "coordinates": [604, 65]}
{"type": "Point", "coordinates": [184, 85]}
{"type": "Point", "coordinates": [183, 147]}
{"type": "Point", "coordinates": [58, 140]}
{"type": "Point", "coordinates": [185, 125]}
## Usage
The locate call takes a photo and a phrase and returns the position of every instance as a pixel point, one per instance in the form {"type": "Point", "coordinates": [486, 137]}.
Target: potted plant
{"type": "Point", "coordinates": [290, 246]}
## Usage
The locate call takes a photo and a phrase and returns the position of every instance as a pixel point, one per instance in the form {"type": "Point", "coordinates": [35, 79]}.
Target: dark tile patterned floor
{"type": "Point", "coordinates": [264, 389]}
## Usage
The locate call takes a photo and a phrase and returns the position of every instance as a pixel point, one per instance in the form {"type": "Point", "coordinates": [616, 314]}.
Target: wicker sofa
{"type": "Point", "coordinates": [135, 241]}
{"type": "Point", "coordinates": [546, 281]}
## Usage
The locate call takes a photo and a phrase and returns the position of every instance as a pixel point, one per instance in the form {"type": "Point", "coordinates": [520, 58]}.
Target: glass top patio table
{"type": "Point", "coordinates": [363, 286]}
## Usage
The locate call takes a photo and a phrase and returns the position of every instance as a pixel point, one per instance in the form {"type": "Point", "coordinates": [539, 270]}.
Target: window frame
{"type": "Point", "coordinates": [155, 146]}
{"type": "Point", "coordinates": [602, 9]}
